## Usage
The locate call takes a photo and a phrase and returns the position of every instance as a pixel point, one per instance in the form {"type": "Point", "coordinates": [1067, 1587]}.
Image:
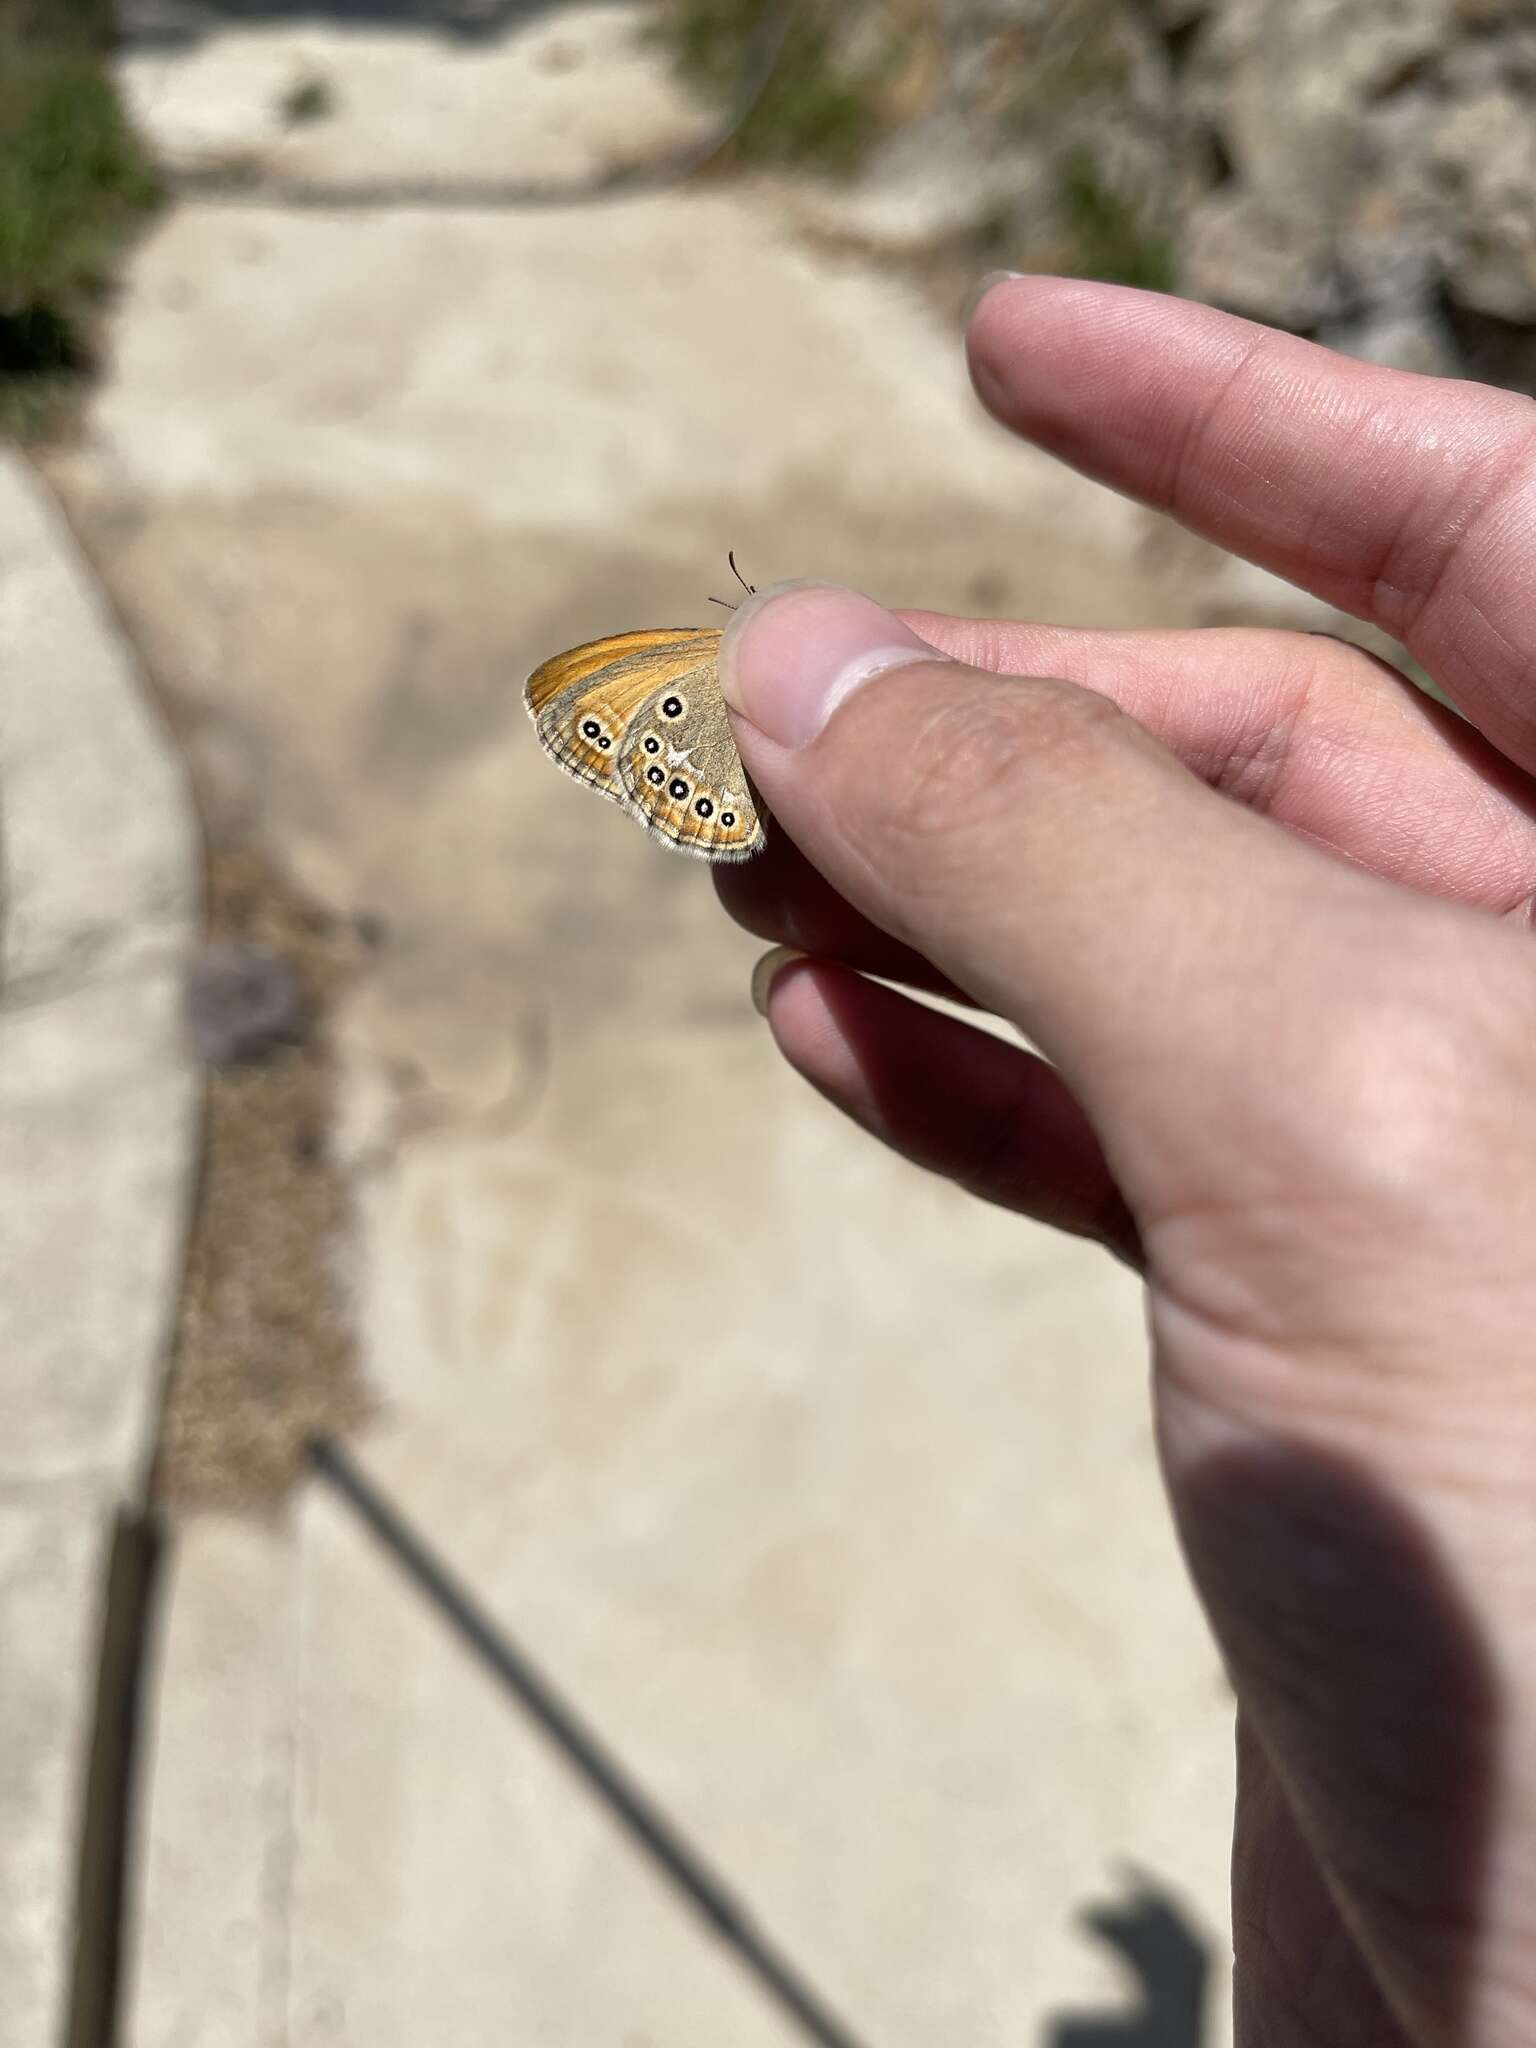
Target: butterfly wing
{"type": "Point", "coordinates": [682, 775]}
{"type": "Point", "coordinates": [581, 702]}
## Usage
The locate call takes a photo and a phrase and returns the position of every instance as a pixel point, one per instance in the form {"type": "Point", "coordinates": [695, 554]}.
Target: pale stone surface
{"type": "Point", "coordinates": [97, 1099]}
{"type": "Point", "coordinates": [1348, 168]}
{"type": "Point", "coordinates": [96, 1108]}
{"type": "Point", "coordinates": [53, 1556]}
{"type": "Point", "coordinates": [206, 1951]}
{"type": "Point", "coordinates": [1487, 148]}
{"type": "Point", "coordinates": [100, 855]}
{"type": "Point", "coordinates": [680, 359]}
{"type": "Point", "coordinates": [1381, 156]}
{"type": "Point", "coordinates": [570, 96]}
{"type": "Point", "coordinates": [925, 187]}
{"type": "Point", "coordinates": [97, 1104]}
{"type": "Point", "coordinates": [1291, 84]}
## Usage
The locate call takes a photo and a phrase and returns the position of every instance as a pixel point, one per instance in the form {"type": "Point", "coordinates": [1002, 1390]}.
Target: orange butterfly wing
{"type": "Point", "coordinates": [581, 701]}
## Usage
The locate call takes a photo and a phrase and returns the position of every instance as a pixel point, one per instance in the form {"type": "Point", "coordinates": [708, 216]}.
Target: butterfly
{"type": "Point", "coordinates": [640, 717]}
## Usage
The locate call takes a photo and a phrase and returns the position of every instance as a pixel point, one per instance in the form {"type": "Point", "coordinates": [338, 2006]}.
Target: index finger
{"type": "Point", "coordinates": [1409, 501]}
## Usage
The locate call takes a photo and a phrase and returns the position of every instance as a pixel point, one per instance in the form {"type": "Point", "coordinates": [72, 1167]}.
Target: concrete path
{"type": "Point", "coordinates": [550, 108]}
{"type": "Point", "coordinates": [97, 1127]}
{"type": "Point", "coordinates": [827, 1498]}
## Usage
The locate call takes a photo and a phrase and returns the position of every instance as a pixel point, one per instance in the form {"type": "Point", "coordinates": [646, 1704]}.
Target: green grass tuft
{"type": "Point", "coordinates": [814, 107]}
{"type": "Point", "coordinates": [73, 184]}
{"type": "Point", "coordinates": [1109, 239]}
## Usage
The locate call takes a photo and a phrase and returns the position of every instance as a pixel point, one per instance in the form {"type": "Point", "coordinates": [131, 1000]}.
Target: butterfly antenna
{"type": "Point", "coordinates": [749, 588]}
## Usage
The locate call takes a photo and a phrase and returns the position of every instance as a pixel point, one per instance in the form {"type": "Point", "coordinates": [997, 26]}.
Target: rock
{"type": "Point", "coordinates": [1337, 167]}
{"type": "Point", "coordinates": [1288, 88]}
{"type": "Point", "coordinates": [1494, 351]}
{"type": "Point", "coordinates": [1486, 149]}
{"type": "Point", "coordinates": [1238, 254]}
{"type": "Point", "coordinates": [923, 188]}
{"type": "Point", "coordinates": [242, 1002]}
{"type": "Point", "coordinates": [1172, 16]}
{"type": "Point", "coordinates": [1389, 251]}
{"type": "Point", "coordinates": [1418, 340]}
{"type": "Point", "coordinates": [1488, 13]}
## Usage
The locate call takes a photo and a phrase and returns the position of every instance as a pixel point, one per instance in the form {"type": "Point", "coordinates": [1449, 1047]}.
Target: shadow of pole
{"type": "Point", "coordinates": [669, 1852]}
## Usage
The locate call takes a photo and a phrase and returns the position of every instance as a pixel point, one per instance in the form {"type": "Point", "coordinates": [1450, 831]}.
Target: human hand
{"type": "Point", "coordinates": [1266, 911]}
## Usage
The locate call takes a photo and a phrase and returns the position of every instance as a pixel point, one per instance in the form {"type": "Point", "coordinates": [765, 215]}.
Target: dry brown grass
{"type": "Point", "coordinates": [266, 1356]}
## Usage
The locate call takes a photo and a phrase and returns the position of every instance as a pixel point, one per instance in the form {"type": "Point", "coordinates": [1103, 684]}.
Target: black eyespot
{"type": "Point", "coordinates": [727, 819]}
{"type": "Point", "coordinates": [678, 789]}
{"type": "Point", "coordinates": [656, 775]}
{"type": "Point", "coordinates": [671, 707]}
{"type": "Point", "coordinates": [704, 807]}
{"type": "Point", "coordinates": [605, 743]}
{"type": "Point", "coordinates": [591, 729]}
{"type": "Point", "coordinates": [651, 744]}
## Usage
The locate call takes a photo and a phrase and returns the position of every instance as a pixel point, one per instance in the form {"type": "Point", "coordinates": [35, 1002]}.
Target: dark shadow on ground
{"type": "Point", "coordinates": [1171, 1967]}
{"type": "Point", "coordinates": [172, 23]}
{"type": "Point", "coordinates": [672, 1855]}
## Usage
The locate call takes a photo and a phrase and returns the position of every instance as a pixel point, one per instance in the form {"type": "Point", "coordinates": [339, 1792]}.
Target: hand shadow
{"type": "Point", "coordinates": [1170, 1963]}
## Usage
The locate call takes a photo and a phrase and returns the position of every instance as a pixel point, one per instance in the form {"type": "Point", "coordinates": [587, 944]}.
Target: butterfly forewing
{"type": "Point", "coordinates": [581, 701]}
{"type": "Point", "coordinates": [656, 644]}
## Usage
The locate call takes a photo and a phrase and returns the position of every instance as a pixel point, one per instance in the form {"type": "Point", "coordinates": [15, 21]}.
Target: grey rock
{"type": "Point", "coordinates": [1486, 149]}
{"type": "Point", "coordinates": [1417, 340]}
{"type": "Point", "coordinates": [1266, 265]}
{"type": "Point", "coordinates": [1492, 350]}
{"type": "Point", "coordinates": [1338, 167]}
{"type": "Point", "coordinates": [97, 1120]}
{"type": "Point", "coordinates": [1173, 15]}
{"type": "Point", "coordinates": [1288, 87]}
{"type": "Point", "coordinates": [242, 1002]}
{"type": "Point", "coordinates": [1475, 14]}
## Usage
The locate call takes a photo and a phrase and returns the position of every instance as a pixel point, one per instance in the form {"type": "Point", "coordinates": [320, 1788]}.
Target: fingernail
{"type": "Point", "coordinates": [980, 289]}
{"type": "Point", "coordinates": [792, 654]}
{"type": "Point", "coordinates": [767, 972]}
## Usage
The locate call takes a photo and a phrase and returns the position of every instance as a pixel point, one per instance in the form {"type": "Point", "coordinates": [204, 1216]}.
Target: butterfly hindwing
{"type": "Point", "coordinates": [683, 776]}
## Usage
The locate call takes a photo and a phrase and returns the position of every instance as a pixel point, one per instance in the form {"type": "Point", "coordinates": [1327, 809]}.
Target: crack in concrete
{"type": "Point", "coordinates": [107, 1818]}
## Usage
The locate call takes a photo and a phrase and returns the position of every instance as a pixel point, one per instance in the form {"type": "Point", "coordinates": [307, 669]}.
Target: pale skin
{"type": "Point", "coordinates": [1266, 911]}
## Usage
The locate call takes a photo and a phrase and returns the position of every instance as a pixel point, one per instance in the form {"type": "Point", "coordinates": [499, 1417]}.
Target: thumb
{"type": "Point", "coordinates": [1065, 870]}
